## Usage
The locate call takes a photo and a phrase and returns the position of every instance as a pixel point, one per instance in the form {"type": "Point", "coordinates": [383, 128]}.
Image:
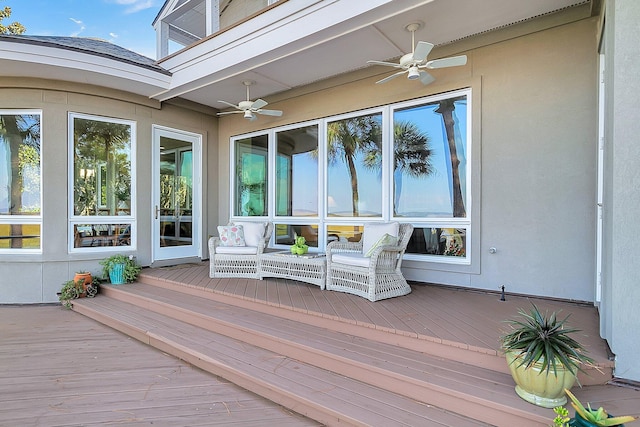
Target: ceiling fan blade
{"type": "Point", "coordinates": [421, 51]}
{"type": "Point", "coordinates": [426, 78]}
{"type": "Point", "coordinates": [453, 61]}
{"type": "Point", "coordinates": [392, 76]}
{"type": "Point", "coordinates": [388, 64]}
{"type": "Point", "coordinates": [276, 113]}
{"type": "Point", "coordinates": [224, 113]}
{"type": "Point", "coordinates": [229, 104]}
{"type": "Point", "coordinates": [258, 104]}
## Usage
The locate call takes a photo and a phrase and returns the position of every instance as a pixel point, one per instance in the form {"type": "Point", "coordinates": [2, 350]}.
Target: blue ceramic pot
{"type": "Point", "coordinates": [116, 274]}
{"type": "Point", "coordinates": [578, 421]}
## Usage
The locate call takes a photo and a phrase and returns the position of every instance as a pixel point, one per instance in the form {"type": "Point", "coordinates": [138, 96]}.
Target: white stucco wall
{"type": "Point", "coordinates": [534, 156]}
{"type": "Point", "coordinates": [36, 278]}
{"type": "Point", "coordinates": [619, 318]}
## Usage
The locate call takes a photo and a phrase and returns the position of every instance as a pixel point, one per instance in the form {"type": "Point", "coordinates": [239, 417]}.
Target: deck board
{"type": "Point", "coordinates": [464, 318]}
{"type": "Point", "coordinates": [461, 317]}
{"type": "Point", "coordinates": [60, 368]}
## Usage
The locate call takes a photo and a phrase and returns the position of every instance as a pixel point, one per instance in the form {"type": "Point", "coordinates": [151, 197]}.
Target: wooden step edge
{"type": "Point", "coordinates": [282, 397]}
{"type": "Point", "coordinates": [133, 331]}
{"type": "Point", "coordinates": [474, 406]}
{"type": "Point", "coordinates": [277, 395]}
{"type": "Point", "coordinates": [484, 358]}
{"type": "Point", "coordinates": [306, 406]}
{"type": "Point", "coordinates": [471, 355]}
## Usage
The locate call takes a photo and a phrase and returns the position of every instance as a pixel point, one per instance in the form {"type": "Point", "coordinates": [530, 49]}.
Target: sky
{"type": "Point", "coordinates": [126, 23]}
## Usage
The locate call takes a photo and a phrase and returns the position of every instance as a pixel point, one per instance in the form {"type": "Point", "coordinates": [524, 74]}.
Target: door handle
{"type": "Point", "coordinates": [157, 211]}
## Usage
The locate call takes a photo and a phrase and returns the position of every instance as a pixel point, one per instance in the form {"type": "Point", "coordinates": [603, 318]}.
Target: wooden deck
{"type": "Point", "coordinates": [428, 358]}
{"type": "Point", "coordinates": [59, 368]}
{"type": "Point", "coordinates": [450, 316]}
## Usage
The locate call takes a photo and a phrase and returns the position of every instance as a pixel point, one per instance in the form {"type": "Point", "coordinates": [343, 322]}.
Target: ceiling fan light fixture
{"type": "Point", "coordinates": [248, 115]}
{"type": "Point", "coordinates": [414, 73]}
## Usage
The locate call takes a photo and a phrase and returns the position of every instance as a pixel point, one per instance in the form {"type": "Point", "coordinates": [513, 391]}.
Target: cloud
{"type": "Point", "coordinates": [134, 6]}
{"type": "Point", "coordinates": [113, 35]}
{"type": "Point", "coordinates": [80, 24]}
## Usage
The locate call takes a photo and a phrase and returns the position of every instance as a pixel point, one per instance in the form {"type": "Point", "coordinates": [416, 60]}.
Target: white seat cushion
{"type": "Point", "coordinates": [253, 231]}
{"type": "Point", "coordinates": [373, 232]}
{"type": "Point", "coordinates": [350, 258]}
{"type": "Point", "coordinates": [237, 250]}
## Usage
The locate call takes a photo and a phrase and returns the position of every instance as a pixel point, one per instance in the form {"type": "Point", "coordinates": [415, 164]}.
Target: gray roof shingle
{"type": "Point", "coordinates": [90, 46]}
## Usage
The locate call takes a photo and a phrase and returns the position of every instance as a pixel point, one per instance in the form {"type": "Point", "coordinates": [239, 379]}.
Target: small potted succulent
{"type": "Point", "coordinates": [299, 247]}
{"type": "Point", "coordinates": [587, 417]}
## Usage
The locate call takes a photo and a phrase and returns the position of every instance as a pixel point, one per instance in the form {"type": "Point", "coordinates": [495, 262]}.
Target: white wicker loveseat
{"type": "Point", "coordinates": [370, 268]}
{"type": "Point", "coordinates": [242, 258]}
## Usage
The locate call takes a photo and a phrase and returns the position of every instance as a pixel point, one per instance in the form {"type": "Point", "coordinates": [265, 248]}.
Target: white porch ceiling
{"type": "Point", "coordinates": [294, 51]}
{"type": "Point", "coordinates": [292, 44]}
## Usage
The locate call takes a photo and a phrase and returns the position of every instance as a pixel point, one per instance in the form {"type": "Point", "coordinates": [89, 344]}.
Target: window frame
{"type": "Point", "coordinates": [442, 222]}
{"type": "Point", "coordinates": [27, 219]}
{"type": "Point", "coordinates": [98, 220]}
{"type": "Point", "coordinates": [323, 221]}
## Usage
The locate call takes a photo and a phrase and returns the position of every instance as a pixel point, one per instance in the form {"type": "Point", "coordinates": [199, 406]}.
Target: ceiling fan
{"type": "Point", "coordinates": [250, 108]}
{"type": "Point", "coordinates": [414, 62]}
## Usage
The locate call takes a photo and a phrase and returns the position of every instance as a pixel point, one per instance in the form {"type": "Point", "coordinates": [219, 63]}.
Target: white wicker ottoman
{"type": "Point", "coordinates": [309, 268]}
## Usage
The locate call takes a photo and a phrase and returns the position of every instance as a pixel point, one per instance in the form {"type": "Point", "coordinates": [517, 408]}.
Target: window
{"type": "Point", "coordinates": [297, 172]}
{"type": "Point", "coordinates": [354, 166]}
{"type": "Point", "coordinates": [430, 174]}
{"type": "Point", "coordinates": [251, 176]}
{"type": "Point", "coordinates": [101, 182]}
{"type": "Point", "coordinates": [406, 162]}
{"type": "Point", "coordinates": [20, 181]}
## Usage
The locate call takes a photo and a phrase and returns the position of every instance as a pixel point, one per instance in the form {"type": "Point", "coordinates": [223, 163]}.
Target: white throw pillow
{"type": "Point", "coordinates": [253, 232]}
{"type": "Point", "coordinates": [231, 235]}
{"type": "Point", "coordinates": [373, 232]}
{"type": "Point", "coordinates": [386, 239]}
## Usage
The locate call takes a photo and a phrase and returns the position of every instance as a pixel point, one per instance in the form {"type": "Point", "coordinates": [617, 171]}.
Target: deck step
{"type": "Point", "coordinates": [477, 355]}
{"type": "Point", "coordinates": [425, 379]}
{"type": "Point", "coordinates": [322, 395]}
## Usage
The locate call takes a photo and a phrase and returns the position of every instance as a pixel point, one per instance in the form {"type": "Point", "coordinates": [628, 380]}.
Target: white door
{"type": "Point", "coordinates": [177, 195]}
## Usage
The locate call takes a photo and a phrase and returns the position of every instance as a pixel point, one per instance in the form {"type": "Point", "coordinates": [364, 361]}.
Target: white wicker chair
{"type": "Point", "coordinates": [376, 277]}
{"type": "Point", "coordinates": [237, 261]}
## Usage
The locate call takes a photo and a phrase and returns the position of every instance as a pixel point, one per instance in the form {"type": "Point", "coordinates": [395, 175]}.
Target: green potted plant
{"type": "Point", "coordinates": [543, 357]}
{"type": "Point", "coordinates": [299, 247]}
{"type": "Point", "coordinates": [72, 289]}
{"type": "Point", "coordinates": [120, 269]}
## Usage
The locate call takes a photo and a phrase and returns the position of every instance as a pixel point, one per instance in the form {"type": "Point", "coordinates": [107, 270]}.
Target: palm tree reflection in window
{"type": "Point", "coordinates": [360, 137]}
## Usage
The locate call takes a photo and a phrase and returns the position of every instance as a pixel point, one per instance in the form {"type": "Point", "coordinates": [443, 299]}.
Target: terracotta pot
{"type": "Point", "coordinates": [86, 281]}
{"type": "Point", "coordinates": [540, 388]}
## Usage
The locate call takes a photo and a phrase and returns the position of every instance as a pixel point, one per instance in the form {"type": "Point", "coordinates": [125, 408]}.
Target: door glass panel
{"type": "Point", "coordinates": [176, 192]}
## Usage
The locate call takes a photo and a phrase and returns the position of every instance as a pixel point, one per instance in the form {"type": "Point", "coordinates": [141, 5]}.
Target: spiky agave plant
{"type": "Point", "coordinates": [538, 338]}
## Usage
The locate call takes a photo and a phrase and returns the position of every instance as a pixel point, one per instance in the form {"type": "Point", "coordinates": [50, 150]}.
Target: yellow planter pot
{"type": "Point", "coordinates": [540, 388]}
